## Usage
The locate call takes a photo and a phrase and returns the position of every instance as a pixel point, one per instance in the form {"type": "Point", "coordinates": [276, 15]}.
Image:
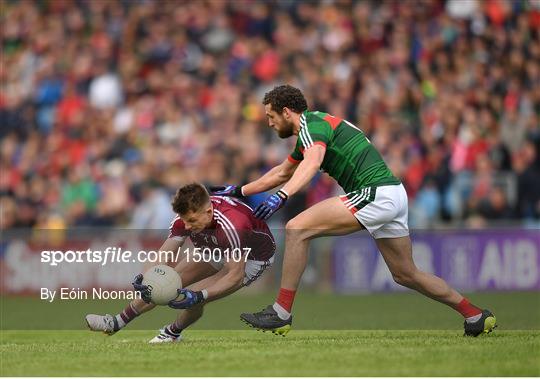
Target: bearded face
{"type": "Point", "coordinates": [279, 122]}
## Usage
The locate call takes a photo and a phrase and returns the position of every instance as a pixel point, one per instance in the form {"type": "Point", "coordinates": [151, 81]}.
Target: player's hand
{"type": "Point", "coordinates": [226, 190]}
{"type": "Point", "coordinates": [141, 288]}
{"type": "Point", "coordinates": [190, 299]}
{"type": "Point", "coordinates": [271, 205]}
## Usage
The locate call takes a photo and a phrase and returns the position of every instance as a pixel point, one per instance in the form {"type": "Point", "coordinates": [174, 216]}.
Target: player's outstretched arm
{"type": "Point", "coordinates": [313, 158]}
{"type": "Point", "coordinates": [273, 178]}
{"type": "Point", "coordinates": [230, 282]}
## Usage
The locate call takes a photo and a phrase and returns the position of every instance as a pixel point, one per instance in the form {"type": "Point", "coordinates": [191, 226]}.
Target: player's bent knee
{"type": "Point", "coordinates": [296, 229]}
{"type": "Point", "coordinates": [293, 225]}
{"type": "Point", "coordinates": [406, 278]}
{"type": "Point", "coordinates": [402, 280]}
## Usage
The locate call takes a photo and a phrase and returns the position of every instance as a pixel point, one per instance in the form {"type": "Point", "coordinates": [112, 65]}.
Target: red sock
{"type": "Point", "coordinates": [467, 309]}
{"type": "Point", "coordinates": [286, 298]}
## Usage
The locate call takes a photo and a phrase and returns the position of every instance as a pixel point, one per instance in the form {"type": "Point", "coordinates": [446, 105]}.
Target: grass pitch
{"type": "Point", "coordinates": [394, 335]}
{"type": "Point", "coordinates": [247, 353]}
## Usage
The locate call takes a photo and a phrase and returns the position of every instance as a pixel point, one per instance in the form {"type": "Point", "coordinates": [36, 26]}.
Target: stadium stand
{"type": "Point", "coordinates": [107, 106]}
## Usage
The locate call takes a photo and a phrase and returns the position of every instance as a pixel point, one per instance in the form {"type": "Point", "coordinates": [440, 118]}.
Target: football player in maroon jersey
{"type": "Point", "coordinates": [231, 250]}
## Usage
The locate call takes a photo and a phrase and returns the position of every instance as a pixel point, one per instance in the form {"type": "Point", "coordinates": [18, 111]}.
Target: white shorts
{"type": "Point", "coordinates": [252, 271]}
{"type": "Point", "coordinates": [383, 211]}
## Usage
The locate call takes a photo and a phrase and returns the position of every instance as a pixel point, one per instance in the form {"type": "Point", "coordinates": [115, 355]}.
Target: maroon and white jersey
{"type": "Point", "coordinates": [233, 227]}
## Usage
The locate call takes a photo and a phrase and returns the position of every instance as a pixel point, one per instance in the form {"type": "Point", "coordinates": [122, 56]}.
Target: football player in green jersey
{"type": "Point", "coordinates": [375, 200]}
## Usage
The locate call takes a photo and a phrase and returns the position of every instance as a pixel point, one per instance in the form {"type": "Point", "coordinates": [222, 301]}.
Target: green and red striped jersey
{"type": "Point", "coordinates": [350, 157]}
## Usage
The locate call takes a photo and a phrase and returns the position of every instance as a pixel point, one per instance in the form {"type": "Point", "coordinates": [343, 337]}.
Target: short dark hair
{"type": "Point", "coordinates": [285, 96]}
{"type": "Point", "coordinates": [190, 198]}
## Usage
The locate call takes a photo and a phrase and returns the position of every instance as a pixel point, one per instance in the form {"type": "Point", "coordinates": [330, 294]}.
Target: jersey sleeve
{"type": "Point", "coordinates": [177, 230]}
{"type": "Point", "coordinates": [314, 131]}
{"type": "Point", "coordinates": [297, 154]}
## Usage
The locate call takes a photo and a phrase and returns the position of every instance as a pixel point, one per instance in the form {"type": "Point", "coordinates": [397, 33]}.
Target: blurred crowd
{"type": "Point", "coordinates": [106, 107]}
